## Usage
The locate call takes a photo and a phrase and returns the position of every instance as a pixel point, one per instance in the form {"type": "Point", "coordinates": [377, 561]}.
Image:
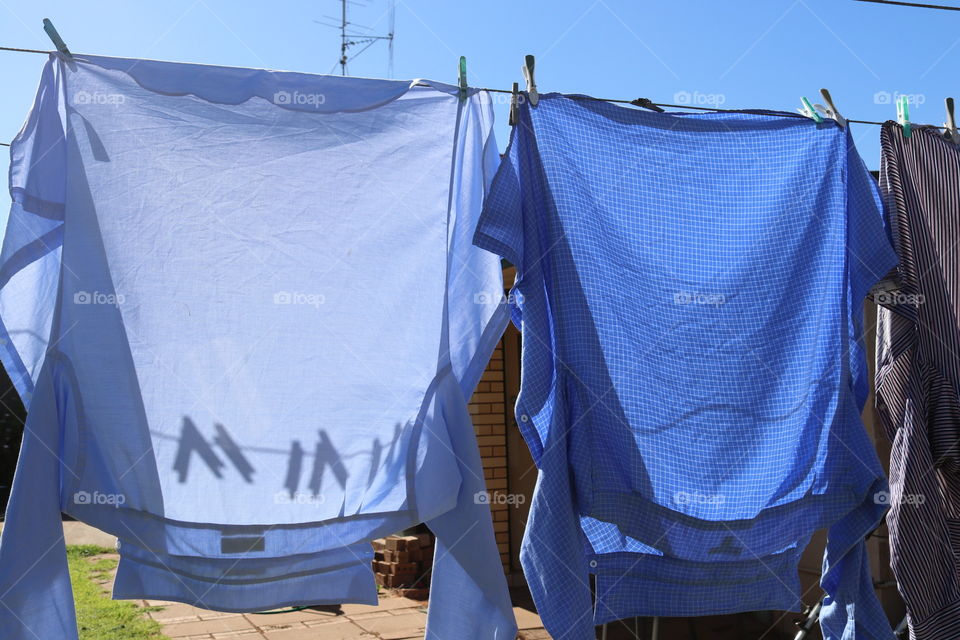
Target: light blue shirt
{"type": "Point", "coordinates": [690, 291]}
{"type": "Point", "coordinates": [245, 313]}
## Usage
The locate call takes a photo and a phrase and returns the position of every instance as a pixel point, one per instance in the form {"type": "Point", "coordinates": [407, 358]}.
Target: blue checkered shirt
{"type": "Point", "coordinates": [690, 290]}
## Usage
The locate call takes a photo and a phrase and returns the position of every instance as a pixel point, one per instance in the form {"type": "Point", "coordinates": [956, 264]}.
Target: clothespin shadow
{"type": "Point", "coordinates": [233, 452]}
{"type": "Point", "coordinates": [191, 440]}
{"type": "Point", "coordinates": [326, 455]}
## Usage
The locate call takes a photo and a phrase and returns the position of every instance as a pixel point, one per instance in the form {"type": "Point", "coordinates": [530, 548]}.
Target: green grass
{"type": "Point", "coordinates": [99, 617]}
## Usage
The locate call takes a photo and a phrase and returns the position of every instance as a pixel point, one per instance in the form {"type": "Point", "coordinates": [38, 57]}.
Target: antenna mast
{"type": "Point", "coordinates": [343, 38]}
{"type": "Point", "coordinates": [348, 40]}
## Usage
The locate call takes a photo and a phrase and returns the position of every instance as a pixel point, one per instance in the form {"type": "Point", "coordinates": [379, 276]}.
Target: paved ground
{"type": "Point", "coordinates": [80, 533]}
{"type": "Point", "coordinates": [395, 618]}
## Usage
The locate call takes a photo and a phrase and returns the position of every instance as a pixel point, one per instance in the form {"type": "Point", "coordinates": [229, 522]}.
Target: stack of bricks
{"type": "Point", "coordinates": [404, 562]}
{"type": "Point", "coordinates": [487, 408]}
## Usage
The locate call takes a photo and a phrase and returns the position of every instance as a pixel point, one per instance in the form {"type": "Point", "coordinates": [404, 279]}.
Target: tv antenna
{"type": "Point", "coordinates": [349, 38]}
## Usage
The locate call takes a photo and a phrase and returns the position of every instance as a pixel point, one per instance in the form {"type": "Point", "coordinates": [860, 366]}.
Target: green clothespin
{"type": "Point", "coordinates": [903, 115]}
{"type": "Point", "coordinates": [463, 77]}
{"type": "Point", "coordinates": [809, 111]}
{"type": "Point", "coordinates": [57, 40]}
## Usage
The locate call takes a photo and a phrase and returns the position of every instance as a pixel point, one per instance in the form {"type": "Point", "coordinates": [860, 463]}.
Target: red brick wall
{"type": "Point", "coordinates": [487, 408]}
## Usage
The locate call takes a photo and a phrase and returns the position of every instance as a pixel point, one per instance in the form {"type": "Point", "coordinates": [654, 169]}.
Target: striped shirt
{"type": "Point", "coordinates": [918, 375]}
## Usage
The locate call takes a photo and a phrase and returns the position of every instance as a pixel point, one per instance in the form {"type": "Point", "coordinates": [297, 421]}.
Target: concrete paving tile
{"type": "Point", "coordinates": [277, 627]}
{"type": "Point", "coordinates": [218, 625]}
{"type": "Point", "coordinates": [207, 614]}
{"type": "Point", "coordinates": [76, 532]}
{"type": "Point", "coordinates": [406, 625]}
{"type": "Point", "coordinates": [341, 630]}
{"type": "Point", "coordinates": [274, 619]}
{"type": "Point", "coordinates": [246, 634]}
{"type": "Point", "coordinates": [175, 611]}
{"type": "Point", "coordinates": [153, 614]}
{"type": "Point", "coordinates": [387, 603]}
{"type": "Point", "coordinates": [322, 621]}
{"type": "Point", "coordinates": [371, 614]}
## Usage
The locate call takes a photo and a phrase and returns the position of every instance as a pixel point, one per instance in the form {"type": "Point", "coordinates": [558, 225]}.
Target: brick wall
{"type": "Point", "coordinates": [488, 410]}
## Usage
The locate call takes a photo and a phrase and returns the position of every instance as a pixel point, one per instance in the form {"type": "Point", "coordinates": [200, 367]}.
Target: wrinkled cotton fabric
{"type": "Point", "coordinates": [245, 314]}
{"type": "Point", "coordinates": [689, 289]}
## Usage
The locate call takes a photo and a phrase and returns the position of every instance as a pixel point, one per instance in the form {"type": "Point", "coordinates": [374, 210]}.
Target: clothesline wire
{"type": "Point", "coordinates": [639, 102]}
{"type": "Point", "coordinates": [24, 50]}
{"type": "Point", "coordinates": [921, 5]}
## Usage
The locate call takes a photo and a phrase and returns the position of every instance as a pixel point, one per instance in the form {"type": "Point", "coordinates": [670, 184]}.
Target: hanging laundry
{"type": "Point", "coordinates": [690, 289]}
{"type": "Point", "coordinates": [242, 307]}
{"type": "Point", "coordinates": [918, 376]}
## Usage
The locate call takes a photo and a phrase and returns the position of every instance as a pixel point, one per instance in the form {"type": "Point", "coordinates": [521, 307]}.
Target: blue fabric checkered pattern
{"type": "Point", "coordinates": [690, 289]}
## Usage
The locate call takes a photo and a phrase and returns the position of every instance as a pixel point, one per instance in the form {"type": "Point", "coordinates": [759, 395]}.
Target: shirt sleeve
{"type": "Point", "coordinates": [851, 608]}
{"type": "Point", "coordinates": [36, 600]}
{"type": "Point", "coordinates": [509, 226]}
{"type": "Point", "coordinates": [870, 257]}
{"type": "Point", "coordinates": [477, 313]}
{"type": "Point", "coordinates": [500, 229]}
{"type": "Point", "coordinates": [30, 255]}
{"type": "Point", "coordinates": [469, 595]}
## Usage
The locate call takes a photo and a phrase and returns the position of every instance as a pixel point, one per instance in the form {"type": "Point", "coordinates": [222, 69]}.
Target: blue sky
{"type": "Point", "coordinates": [734, 53]}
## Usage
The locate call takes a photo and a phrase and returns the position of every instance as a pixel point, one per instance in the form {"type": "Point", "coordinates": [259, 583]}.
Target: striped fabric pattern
{"type": "Point", "coordinates": [918, 376]}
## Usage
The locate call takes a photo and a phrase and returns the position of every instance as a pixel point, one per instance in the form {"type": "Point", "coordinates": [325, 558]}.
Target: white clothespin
{"type": "Point", "coordinates": [951, 124]}
{"type": "Point", "coordinates": [809, 111]}
{"type": "Point", "coordinates": [830, 109]}
{"type": "Point", "coordinates": [57, 40]}
{"type": "Point", "coordinates": [528, 69]}
{"type": "Point", "coordinates": [903, 115]}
